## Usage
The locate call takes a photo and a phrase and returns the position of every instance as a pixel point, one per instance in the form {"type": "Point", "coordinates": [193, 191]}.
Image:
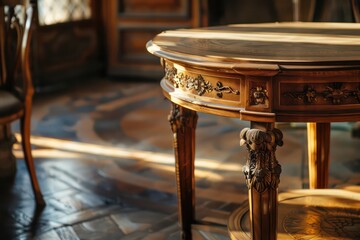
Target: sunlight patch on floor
{"type": "Point", "coordinates": [119, 152]}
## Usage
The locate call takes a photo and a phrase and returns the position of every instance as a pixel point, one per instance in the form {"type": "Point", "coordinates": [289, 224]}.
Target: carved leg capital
{"type": "Point", "coordinates": [262, 173]}
{"type": "Point", "coordinates": [262, 170]}
{"type": "Point", "coordinates": [181, 118]}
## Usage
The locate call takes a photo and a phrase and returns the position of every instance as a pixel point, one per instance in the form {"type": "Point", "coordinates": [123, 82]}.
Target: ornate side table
{"type": "Point", "coordinates": [262, 73]}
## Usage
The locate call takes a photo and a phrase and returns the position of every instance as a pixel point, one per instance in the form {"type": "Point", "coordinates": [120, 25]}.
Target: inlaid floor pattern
{"type": "Point", "coordinates": [104, 158]}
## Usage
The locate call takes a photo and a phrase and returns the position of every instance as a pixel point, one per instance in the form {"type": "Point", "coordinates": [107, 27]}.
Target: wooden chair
{"type": "Point", "coordinates": [355, 6]}
{"type": "Point", "coordinates": [16, 88]}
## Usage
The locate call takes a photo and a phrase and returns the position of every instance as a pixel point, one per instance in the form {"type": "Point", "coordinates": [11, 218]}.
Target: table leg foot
{"type": "Point", "coordinates": [183, 124]}
{"type": "Point", "coordinates": [262, 172]}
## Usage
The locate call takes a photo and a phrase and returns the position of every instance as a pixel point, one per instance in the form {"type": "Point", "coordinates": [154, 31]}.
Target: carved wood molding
{"type": "Point", "coordinates": [262, 170]}
{"type": "Point", "coordinates": [334, 93]}
{"type": "Point", "coordinates": [198, 83]}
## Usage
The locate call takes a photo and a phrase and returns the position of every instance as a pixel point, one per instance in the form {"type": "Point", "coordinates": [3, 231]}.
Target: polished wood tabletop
{"type": "Point", "coordinates": [262, 73]}
{"type": "Point", "coordinates": [266, 72]}
{"type": "Point", "coordinates": [268, 45]}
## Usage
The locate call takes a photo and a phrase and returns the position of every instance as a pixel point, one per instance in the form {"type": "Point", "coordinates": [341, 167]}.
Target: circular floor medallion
{"type": "Point", "coordinates": [308, 214]}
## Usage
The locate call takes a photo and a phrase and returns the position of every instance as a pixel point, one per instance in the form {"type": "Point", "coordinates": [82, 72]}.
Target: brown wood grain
{"type": "Point", "coordinates": [264, 73]}
{"type": "Point", "coordinates": [273, 44]}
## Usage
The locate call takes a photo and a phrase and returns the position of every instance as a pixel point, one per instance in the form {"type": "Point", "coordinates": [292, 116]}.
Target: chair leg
{"type": "Point", "coordinates": [25, 135]}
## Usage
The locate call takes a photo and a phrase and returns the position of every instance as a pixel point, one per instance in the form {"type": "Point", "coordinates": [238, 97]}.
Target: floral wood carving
{"type": "Point", "coordinates": [334, 93]}
{"type": "Point", "coordinates": [258, 95]}
{"type": "Point", "coordinates": [170, 72]}
{"type": "Point", "coordinates": [262, 170]}
{"type": "Point", "coordinates": [199, 84]}
{"type": "Point", "coordinates": [307, 96]}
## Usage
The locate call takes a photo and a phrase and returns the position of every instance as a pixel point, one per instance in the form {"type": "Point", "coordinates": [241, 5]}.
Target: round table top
{"type": "Point", "coordinates": [266, 45]}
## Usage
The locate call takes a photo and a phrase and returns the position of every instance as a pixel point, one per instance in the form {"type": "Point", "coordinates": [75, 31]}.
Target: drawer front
{"type": "Point", "coordinates": [318, 94]}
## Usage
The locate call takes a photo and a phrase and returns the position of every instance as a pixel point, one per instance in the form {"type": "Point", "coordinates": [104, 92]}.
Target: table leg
{"type": "Point", "coordinates": [183, 123]}
{"type": "Point", "coordinates": [318, 135]}
{"type": "Point", "coordinates": [262, 172]}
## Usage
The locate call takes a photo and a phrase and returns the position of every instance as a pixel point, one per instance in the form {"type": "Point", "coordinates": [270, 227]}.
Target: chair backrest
{"type": "Point", "coordinates": [16, 17]}
{"type": "Point", "coordinates": [355, 5]}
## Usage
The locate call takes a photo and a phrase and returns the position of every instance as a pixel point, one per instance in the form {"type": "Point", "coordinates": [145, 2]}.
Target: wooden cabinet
{"type": "Point", "coordinates": [131, 23]}
{"type": "Point", "coordinates": [67, 50]}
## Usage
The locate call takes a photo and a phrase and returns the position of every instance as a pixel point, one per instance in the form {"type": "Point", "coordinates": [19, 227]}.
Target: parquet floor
{"type": "Point", "coordinates": [104, 160]}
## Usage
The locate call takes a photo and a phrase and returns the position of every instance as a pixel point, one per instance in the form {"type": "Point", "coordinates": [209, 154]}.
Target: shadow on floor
{"type": "Point", "coordinates": [106, 167]}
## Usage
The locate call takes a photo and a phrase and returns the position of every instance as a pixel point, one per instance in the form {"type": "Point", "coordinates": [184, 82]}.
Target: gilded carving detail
{"type": "Point", "coordinates": [220, 89]}
{"type": "Point", "coordinates": [170, 72]}
{"type": "Point", "coordinates": [258, 95]}
{"type": "Point", "coordinates": [262, 170]}
{"type": "Point", "coordinates": [198, 83]}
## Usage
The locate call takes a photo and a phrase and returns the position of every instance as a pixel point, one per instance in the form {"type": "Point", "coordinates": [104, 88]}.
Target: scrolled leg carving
{"type": "Point", "coordinates": [262, 173]}
{"type": "Point", "coordinates": [183, 124]}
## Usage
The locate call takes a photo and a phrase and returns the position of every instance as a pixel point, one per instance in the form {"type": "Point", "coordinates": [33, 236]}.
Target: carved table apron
{"type": "Point", "coordinates": [263, 73]}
